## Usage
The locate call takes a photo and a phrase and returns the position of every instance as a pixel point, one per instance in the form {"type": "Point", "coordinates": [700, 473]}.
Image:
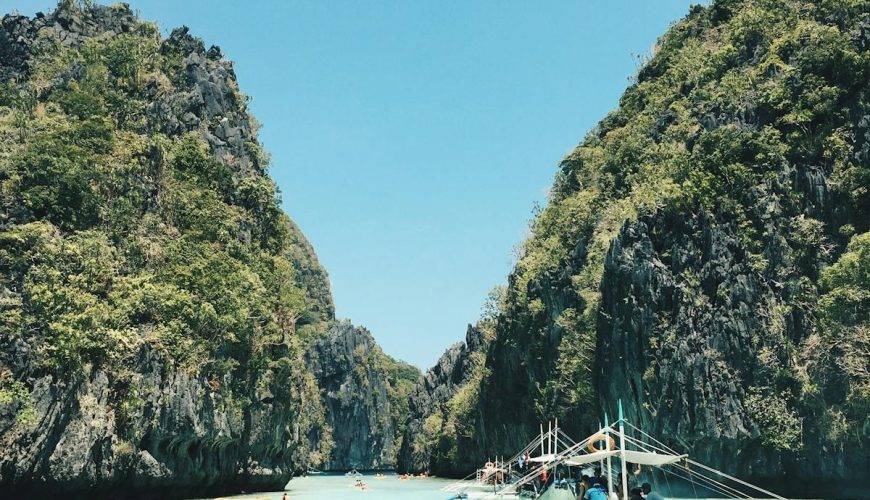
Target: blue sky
{"type": "Point", "coordinates": [411, 139]}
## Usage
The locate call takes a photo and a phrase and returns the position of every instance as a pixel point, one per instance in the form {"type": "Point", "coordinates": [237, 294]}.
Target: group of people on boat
{"type": "Point", "coordinates": [595, 488]}
{"type": "Point", "coordinates": [589, 487]}
{"type": "Point", "coordinates": [523, 461]}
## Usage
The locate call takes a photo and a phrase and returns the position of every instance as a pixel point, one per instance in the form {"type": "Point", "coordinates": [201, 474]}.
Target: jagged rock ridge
{"type": "Point", "coordinates": [364, 392]}
{"type": "Point", "coordinates": [435, 389]}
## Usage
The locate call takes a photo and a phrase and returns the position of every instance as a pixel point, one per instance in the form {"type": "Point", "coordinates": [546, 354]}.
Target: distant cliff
{"type": "Point", "coordinates": [365, 394]}
{"type": "Point", "coordinates": [153, 295]}
{"type": "Point", "coordinates": [703, 256]}
{"type": "Point", "coordinates": [429, 398]}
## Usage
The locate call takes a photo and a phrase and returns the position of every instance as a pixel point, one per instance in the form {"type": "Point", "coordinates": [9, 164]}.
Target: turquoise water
{"type": "Point", "coordinates": [338, 487]}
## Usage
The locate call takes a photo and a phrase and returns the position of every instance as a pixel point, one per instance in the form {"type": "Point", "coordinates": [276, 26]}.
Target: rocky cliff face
{"type": "Point", "coordinates": [362, 390]}
{"type": "Point", "coordinates": [708, 352]}
{"type": "Point", "coordinates": [700, 258]}
{"type": "Point", "coordinates": [185, 437]}
{"type": "Point", "coordinates": [432, 392]}
{"type": "Point", "coordinates": [139, 241]}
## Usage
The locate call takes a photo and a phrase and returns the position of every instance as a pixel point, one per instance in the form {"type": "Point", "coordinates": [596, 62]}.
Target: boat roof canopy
{"type": "Point", "coordinates": [635, 457]}
{"type": "Point", "coordinates": [650, 458]}
{"type": "Point", "coordinates": [588, 458]}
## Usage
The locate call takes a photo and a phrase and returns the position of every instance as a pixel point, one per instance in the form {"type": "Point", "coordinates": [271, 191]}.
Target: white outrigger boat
{"type": "Point", "coordinates": [609, 450]}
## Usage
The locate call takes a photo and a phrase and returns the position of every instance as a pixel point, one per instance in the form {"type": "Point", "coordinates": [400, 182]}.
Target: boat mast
{"type": "Point", "coordinates": [556, 438]}
{"type": "Point", "coordinates": [601, 460]}
{"type": "Point", "coordinates": [622, 453]}
{"type": "Point", "coordinates": [549, 437]}
{"type": "Point", "coordinates": [607, 446]}
{"type": "Point", "coordinates": [542, 440]}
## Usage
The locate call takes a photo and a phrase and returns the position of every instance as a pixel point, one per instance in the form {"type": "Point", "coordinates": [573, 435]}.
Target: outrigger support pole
{"type": "Point", "coordinates": [622, 452]}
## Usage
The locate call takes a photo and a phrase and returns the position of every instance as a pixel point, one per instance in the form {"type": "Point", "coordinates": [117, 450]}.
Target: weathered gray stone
{"type": "Point", "coordinates": [347, 364]}
{"type": "Point", "coordinates": [687, 320]}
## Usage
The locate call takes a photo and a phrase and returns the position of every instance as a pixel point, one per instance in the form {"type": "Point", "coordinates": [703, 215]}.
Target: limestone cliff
{"type": "Point", "coordinates": [703, 256]}
{"type": "Point", "coordinates": [428, 400]}
{"type": "Point", "coordinates": [365, 395]}
{"type": "Point", "coordinates": [152, 293]}
{"type": "Point", "coordinates": [163, 321]}
{"type": "Point", "coordinates": [700, 345]}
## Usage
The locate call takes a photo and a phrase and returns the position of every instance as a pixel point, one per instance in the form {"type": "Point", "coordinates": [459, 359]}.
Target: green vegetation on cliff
{"type": "Point", "coordinates": [710, 213]}
{"type": "Point", "coordinates": [400, 377]}
{"type": "Point", "coordinates": [138, 226]}
{"type": "Point", "coordinates": [111, 227]}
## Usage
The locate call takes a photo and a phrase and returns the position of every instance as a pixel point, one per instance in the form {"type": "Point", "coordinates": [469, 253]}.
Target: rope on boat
{"type": "Point", "coordinates": [694, 491]}
{"type": "Point", "coordinates": [698, 464]}
{"type": "Point", "coordinates": [711, 488]}
{"type": "Point", "coordinates": [774, 495]}
{"type": "Point", "coordinates": [558, 460]}
{"type": "Point", "coordinates": [647, 447]}
{"type": "Point", "coordinates": [709, 480]}
{"type": "Point", "coordinates": [663, 445]}
{"type": "Point", "coordinates": [528, 449]}
{"type": "Point", "coordinates": [566, 437]}
{"type": "Point", "coordinates": [692, 474]}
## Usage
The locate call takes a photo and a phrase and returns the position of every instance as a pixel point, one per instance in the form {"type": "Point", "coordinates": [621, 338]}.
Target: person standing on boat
{"type": "Point", "coordinates": [597, 477]}
{"type": "Point", "coordinates": [596, 492]}
{"type": "Point", "coordinates": [620, 493]}
{"type": "Point", "coordinates": [582, 487]}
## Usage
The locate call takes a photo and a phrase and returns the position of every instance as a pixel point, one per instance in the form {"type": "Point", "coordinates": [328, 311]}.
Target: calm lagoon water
{"type": "Point", "coordinates": [339, 487]}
